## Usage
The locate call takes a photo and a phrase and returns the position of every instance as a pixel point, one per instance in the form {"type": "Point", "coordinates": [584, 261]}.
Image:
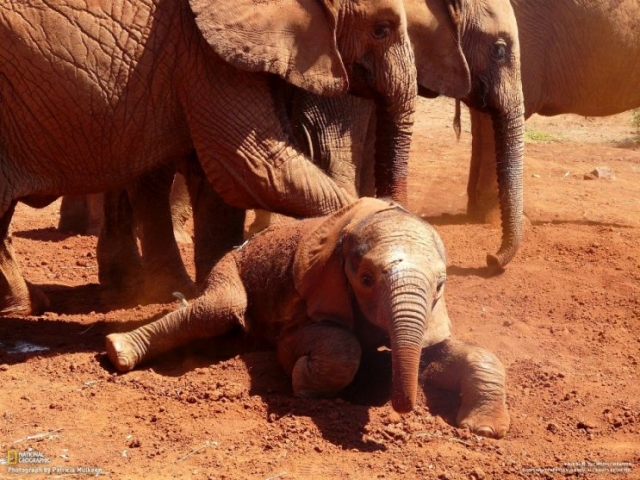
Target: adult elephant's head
{"type": "Point", "coordinates": [375, 259]}
{"type": "Point", "coordinates": [328, 47]}
{"type": "Point", "coordinates": [486, 33]}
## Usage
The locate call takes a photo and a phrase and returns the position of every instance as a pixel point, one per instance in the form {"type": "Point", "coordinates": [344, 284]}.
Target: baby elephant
{"type": "Point", "coordinates": [322, 290]}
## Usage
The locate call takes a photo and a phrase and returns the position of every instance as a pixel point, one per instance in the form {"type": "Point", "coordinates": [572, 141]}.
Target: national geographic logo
{"type": "Point", "coordinates": [14, 457]}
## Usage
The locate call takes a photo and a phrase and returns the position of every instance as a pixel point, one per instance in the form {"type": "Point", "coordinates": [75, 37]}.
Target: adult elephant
{"type": "Point", "coordinates": [577, 57]}
{"type": "Point", "coordinates": [132, 85]}
{"type": "Point", "coordinates": [466, 49]}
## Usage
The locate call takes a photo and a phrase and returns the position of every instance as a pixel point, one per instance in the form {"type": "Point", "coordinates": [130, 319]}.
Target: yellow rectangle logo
{"type": "Point", "coordinates": [12, 457]}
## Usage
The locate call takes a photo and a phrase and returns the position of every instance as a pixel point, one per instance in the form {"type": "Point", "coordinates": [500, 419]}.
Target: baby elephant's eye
{"type": "Point", "coordinates": [500, 50]}
{"type": "Point", "coordinates": [367, 280]}
{"type": "Point", "coordinates": [381, 30]}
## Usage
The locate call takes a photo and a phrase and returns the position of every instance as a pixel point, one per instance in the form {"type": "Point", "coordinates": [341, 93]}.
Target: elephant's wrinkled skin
{"type": "Point", "coordinates": [577, 57]}
{"type": "Point", "coordinates": [95, 94]}
{"type": "Point", "coordinates": [311, 288]}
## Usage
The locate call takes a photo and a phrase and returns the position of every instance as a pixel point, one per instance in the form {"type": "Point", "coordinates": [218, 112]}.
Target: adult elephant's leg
{"type": "Point", "coordinates": [119, 262]}
{"type": "Point", "coordinates": [246, 148]}
{"type": "Point", "coordinates": [217, 226]}
{"type": "Point", "coordinates": [482, 187]}
{"type": "Point", "coordinates": [336, 129]}
{"type": "Point", "coordinates": [16, 297]}
{"type": "Point", "coordinates": [180, 209]}
{"type": "Point", "coordinates": [164, 270]}
{"type": "Point", "coordinates": [478, 376]}
{"type": "Point", "coordinates": [74, 214]}
{"type": "Point", "coordinates": [81, 214]}
{"type": "Point", "coordinates": [321, 358]}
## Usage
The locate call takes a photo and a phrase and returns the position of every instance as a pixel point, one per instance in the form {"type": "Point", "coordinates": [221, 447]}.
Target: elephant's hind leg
{"type": "Point", "coordinates": [16, 297]}
{"type": "Point", "coordinates": [479, 377]}
{"type": "Point", "coordinates": [222, 307]}
{"type": "Point", "coordinates": [322, 359]}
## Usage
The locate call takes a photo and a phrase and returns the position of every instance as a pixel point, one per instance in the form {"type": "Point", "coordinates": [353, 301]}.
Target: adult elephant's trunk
{"type": "Point", "coordinates": [394, 113]}
{"type": "Point", "coordinates": [509, 141]}
{"type": "Point", "coordinates": [407, 316]}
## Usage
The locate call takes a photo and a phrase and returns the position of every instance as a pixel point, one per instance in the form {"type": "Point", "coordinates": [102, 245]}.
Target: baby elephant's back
{"type": "Point", "coordinates": [266, 268]}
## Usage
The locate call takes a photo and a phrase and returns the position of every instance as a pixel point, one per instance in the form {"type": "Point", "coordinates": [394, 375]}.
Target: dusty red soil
{"type": "Point", "coordinates": [564, 318]}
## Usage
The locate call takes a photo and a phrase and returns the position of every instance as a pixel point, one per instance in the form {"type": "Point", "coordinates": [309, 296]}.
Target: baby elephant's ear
{"type": "Point", "coordinates": [294, 39]}
{"type": "Point", "coordinates": [318, 265]}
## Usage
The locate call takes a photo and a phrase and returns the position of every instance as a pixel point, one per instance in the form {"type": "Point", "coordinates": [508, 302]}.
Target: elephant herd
{"type": "Point", "coordinates": [297, 107]}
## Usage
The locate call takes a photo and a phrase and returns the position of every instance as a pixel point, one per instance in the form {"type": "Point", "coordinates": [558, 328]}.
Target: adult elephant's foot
{"type": "Point", "coordinates": [487, 417]}
{"type": "Point", "coordinates": [26, 301]}
{"type": "Point", "coordinates": [159, 287]}
{"type": "Point", "coordinates": [122, 351]}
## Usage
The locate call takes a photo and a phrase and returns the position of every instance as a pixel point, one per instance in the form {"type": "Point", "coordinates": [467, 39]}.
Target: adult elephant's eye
{"type": "Point", "coordinates": [381, 30]}
{"type": "Point", "coordinates": [367, 280]}
{"type": "Point", "coordinates": [500, 50]}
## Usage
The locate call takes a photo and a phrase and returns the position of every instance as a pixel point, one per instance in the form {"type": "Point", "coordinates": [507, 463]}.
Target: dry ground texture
{"type": "Point", "coordinates": [564, 318]}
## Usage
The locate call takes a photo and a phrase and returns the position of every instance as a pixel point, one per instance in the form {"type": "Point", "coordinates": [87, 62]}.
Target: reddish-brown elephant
{"type": "Point", "coordinates": [323, 290]}
{"type": "Point", "coordinates": [577, 57]}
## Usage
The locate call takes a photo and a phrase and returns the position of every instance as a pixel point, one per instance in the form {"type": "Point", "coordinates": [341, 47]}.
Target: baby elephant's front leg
{"type": "Point", "coordinates": [479, 377]}
{"type": "Point", "coordinates": [322, 358]}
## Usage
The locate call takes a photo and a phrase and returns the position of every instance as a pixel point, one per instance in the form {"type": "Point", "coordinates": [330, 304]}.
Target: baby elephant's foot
{"type": "Point", "coordinates": [485, 417]}
{"type": "Point", "coordinates": [121, 350]}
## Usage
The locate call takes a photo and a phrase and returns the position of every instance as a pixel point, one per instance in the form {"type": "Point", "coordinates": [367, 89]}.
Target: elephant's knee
{"type": "Point", "coordinates": [325, 359]}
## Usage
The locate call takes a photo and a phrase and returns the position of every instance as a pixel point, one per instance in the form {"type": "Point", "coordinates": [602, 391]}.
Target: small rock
{"type": "Point", "coordinates": [604, 173]}
{"type": "Point", "coordinates": [394, 417]}
{"type": "Point", "coordinates": [135, 443]}
{"type": "Point", "coordinates": [414, 426]}
{"type": "Point", "coordinates": [552, 427]}
{"type": "Point", "coordinates": [586, 424]}
{"type": "Point", "coordinates": [477, 474]}
{"type": "Point", "coordinates": [215, 395]}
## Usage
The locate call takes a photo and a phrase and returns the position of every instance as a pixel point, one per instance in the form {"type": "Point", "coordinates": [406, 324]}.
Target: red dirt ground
{"type": "Point", "coordinates": [564, 318]}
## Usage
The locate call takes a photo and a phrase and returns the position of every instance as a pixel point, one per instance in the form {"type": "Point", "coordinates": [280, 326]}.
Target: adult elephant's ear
{"type": "Point", "coordinates": [435, 29]}
{"type": "Point", "coordinates": [318, 268]}
{"type": "Point", "coordinates": [294, 39]}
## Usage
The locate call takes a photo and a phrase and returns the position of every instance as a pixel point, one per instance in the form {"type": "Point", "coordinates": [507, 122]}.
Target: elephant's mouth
{"type": "Point", "coordinates": [362, 79]}
{"type": "Point", "coordinates": [478, 98]}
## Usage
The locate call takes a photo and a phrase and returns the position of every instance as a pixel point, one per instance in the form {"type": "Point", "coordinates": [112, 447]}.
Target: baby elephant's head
{"type": "Point", "coordinates": [394, 263]}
